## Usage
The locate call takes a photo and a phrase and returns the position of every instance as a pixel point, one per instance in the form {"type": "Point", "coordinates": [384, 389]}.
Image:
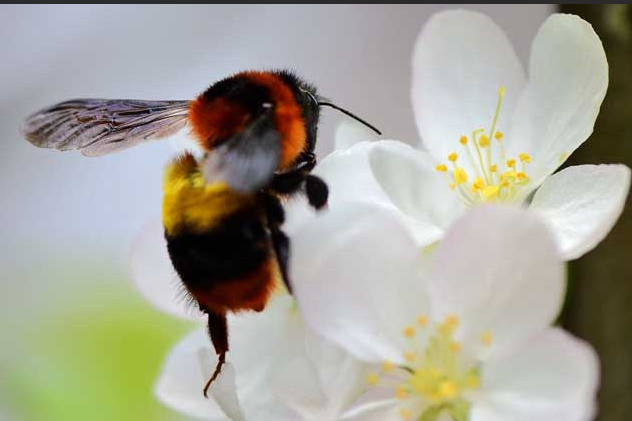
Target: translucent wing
{"type": "Point", "coordinates": [247, 160]}
{"type": "Point", "coordinates": [101, 126]}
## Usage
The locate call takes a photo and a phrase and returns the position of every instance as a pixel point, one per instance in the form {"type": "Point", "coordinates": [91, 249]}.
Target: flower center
{"type": "Point", "coordinates": [435, 376]}
{"type": "Point", "coordinates": [493, 181]}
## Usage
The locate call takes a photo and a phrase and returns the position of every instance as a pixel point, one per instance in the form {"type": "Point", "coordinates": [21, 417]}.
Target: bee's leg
{"type": "Point", "coordinates": [280, 241]}
{"type": "Point", "coordinates": [281, 244]}
{"type": "Point", "coordinates": [292, 180]}
{"type": "Point", "coordinates": [218, 330]}
{"type": "Point", "coordinates": [316, 190]}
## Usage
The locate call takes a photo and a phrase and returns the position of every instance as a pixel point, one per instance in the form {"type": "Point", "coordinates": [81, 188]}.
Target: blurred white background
{"type": "Point", "coordinates": [78, 211]}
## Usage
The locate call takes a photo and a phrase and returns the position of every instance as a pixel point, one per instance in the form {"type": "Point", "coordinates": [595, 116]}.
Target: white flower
{"type": "Point", "coordinates": [470, 338]}
{"type": "Point", "coordinates": [276, 369]}
{"type": "Point", "coordinates": [492, 135]}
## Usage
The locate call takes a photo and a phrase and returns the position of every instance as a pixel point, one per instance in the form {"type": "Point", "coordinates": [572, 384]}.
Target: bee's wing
{"type": "Point", "coordinates": [101, 126]}
{"type": "Point", "coordinates": [247, 160]}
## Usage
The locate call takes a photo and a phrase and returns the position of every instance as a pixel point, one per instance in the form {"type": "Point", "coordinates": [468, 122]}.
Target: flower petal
{"type": "Point", "coordinates": [554, 378]}
{"type": "Point", "coordinates": [581, 204]}
{"type": "Point", "coordinates": [359, 263]}
{"type": "Point", "coordinates": [154, 275]}
{"type": "Point", "coordinates": [182, 379]}
{"type": "Point", "coordinates": [568, 78]}
{"type": "Point", "coordinates": [383, 410]}
{"type": "Point", "coordinates": [461, 60]}
{"type": "Point", "coordinates": [498, 270]}
{"type": "Point", "coordinates": [260, 343]}
{"type": "Point", "coordinates": [224, 392]}
{"type": "Point", "coordinates": [342, 376]}
{"type": "Point", "coordinates": [391, 175]}
{"type": "Point", "coordinates": [297, 385]}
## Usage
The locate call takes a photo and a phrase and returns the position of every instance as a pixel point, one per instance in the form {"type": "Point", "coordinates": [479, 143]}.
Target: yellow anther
{"type": "Point", "coordinates": [499, 136]}
{"type": "Point", "coordinates": [450, 323]}
{"type": "Point", "coordinates": [463, 140]}
{"type": "Point", "coordinates": [478, 184]}
{"type": "Point", "coordinates": [483, 141]}
{"type": "Point", "coordinates": [388, 366]}
{"type": "Point", "coordinates": [410, 356]}
{"type": "Point", "coordinates": [490, 191]}
{"type": "Point", "coordinates": [372, 379]}
{"type": "Point", "coordinates": [493, 168]}
{"type": "Point", "coordinates": [448, 389]}
{"type": "Point", "coordinates": [452, 186]}
{"type": "Point", "coordinates": [460, 176]}
{"type": "Point", "coordinates": [455, 346]}
{"type": "Point", "coordinates": [405, 414]}
{"type": "Point", "coordinates": [422, 321]}
{"type": "Point", "coordinates": [501, 91]}
{"type": "Point", "coordinates": [504, 183]}
{"type": "Point", "coordinates": [471, 381]}
{"type": "Point", "coordinates": [511, 163]}
{"type": "Point", "coordinates": [409, 332]}
{"type": "Point", "coordinates": [508, 175]}
{"type": "Point", "coordinates": [522, 176]}
{"type": "Point", "coordinates": [441, 168]}
{"type": "Point", "coordinates": [453, 157]}
{"type": "Point", "coordinates": [400, 392]}
{"type": "Point", "coordinates": [524, 157]}
{"type": "Point", "coordinates": [487, 338]}
{"type": "Point", "coordinates": [452, 320]}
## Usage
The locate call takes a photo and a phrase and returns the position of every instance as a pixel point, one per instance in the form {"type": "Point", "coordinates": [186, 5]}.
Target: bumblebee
{"type": "Point", "coordinates": [222, 213]}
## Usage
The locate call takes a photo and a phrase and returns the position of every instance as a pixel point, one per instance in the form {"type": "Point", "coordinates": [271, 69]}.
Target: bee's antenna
{"type": "Point", "coordinates": [353, 116]}
{"type": "Point", "coordinates": [342, 110]}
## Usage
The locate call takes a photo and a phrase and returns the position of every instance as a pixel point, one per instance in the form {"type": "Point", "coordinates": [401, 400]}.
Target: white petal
{"type": "Point", "coordinates": [388, 174]}
{"type": "Point", "coordinates": [224, 392]}
{"type": "Point", "coordinates": [154, 275]}
{"type": "Point", "coordinates": [297, 385]}
{"type": "Point", "coordinates": [354, 270]}
{"type": "Point", "coordinates": [554, 378]}
{"type": "Point", "coordinates": [461, 60]}
{"type": "Point", "coordinates": [260, 343]}
{"type": "Point", "coordinates": [568, 78]}
{"type": "Point", "coordinates": [581, 204]}
{"type": "Point", "coordinates": [498, 270]}
{"type": "Point", "coordinates": [181, 382]}
{"type": "Point", "coordinates": [350, 132]}
{"type": "Point", "coordinates": [342, 376]}
{"type": "Point", "coordinates": [385, 410]}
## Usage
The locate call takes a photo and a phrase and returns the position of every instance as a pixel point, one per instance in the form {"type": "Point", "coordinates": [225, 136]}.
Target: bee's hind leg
{"type": "Point", "coordinates": [218, 330]}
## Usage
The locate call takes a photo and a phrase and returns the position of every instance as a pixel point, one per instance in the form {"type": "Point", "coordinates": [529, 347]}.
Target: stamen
{"type": "Point", "coordinates": [499, 136]}
{"type": "Point", "coordinates": [447, 390]}
{"type": "Point", "coordinates": [511, 163]}
{"type": "Point", "coordinates": [441, 168]}
{"type": "Point", "coordinates": [487, 338]}
{"type": "Point", "coordinates": [400, 392]}
{"type": "Point", "coordinates": [388, 366]}
{"type": "Point", "coordinates": [422, 321]}
{"type": "Point", "coordinates": [483, 141]}
{"type": "Point", "coordinates": [409, 332]}
{"type": "Point", "coordinates": [460, 176]}
{"type": "Point", "coordinates": [372, 379]}
{"type": "Point", "coordinates": [452, 157]}
{"type": "Point", "coordinates": [455, 346]}
{"type": "Point", "coordinates": [463, 140]}
{"type": "Point", "coordinates": [405, 414]}
{"type": "Point", "coordinates": [478, 152]}
{"type": "Point", "coordinates": [524, 157]}
{"type": "Point", "coordinates": [490, 192]}
{"type": "Point", "coordinates": [410, 356]}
